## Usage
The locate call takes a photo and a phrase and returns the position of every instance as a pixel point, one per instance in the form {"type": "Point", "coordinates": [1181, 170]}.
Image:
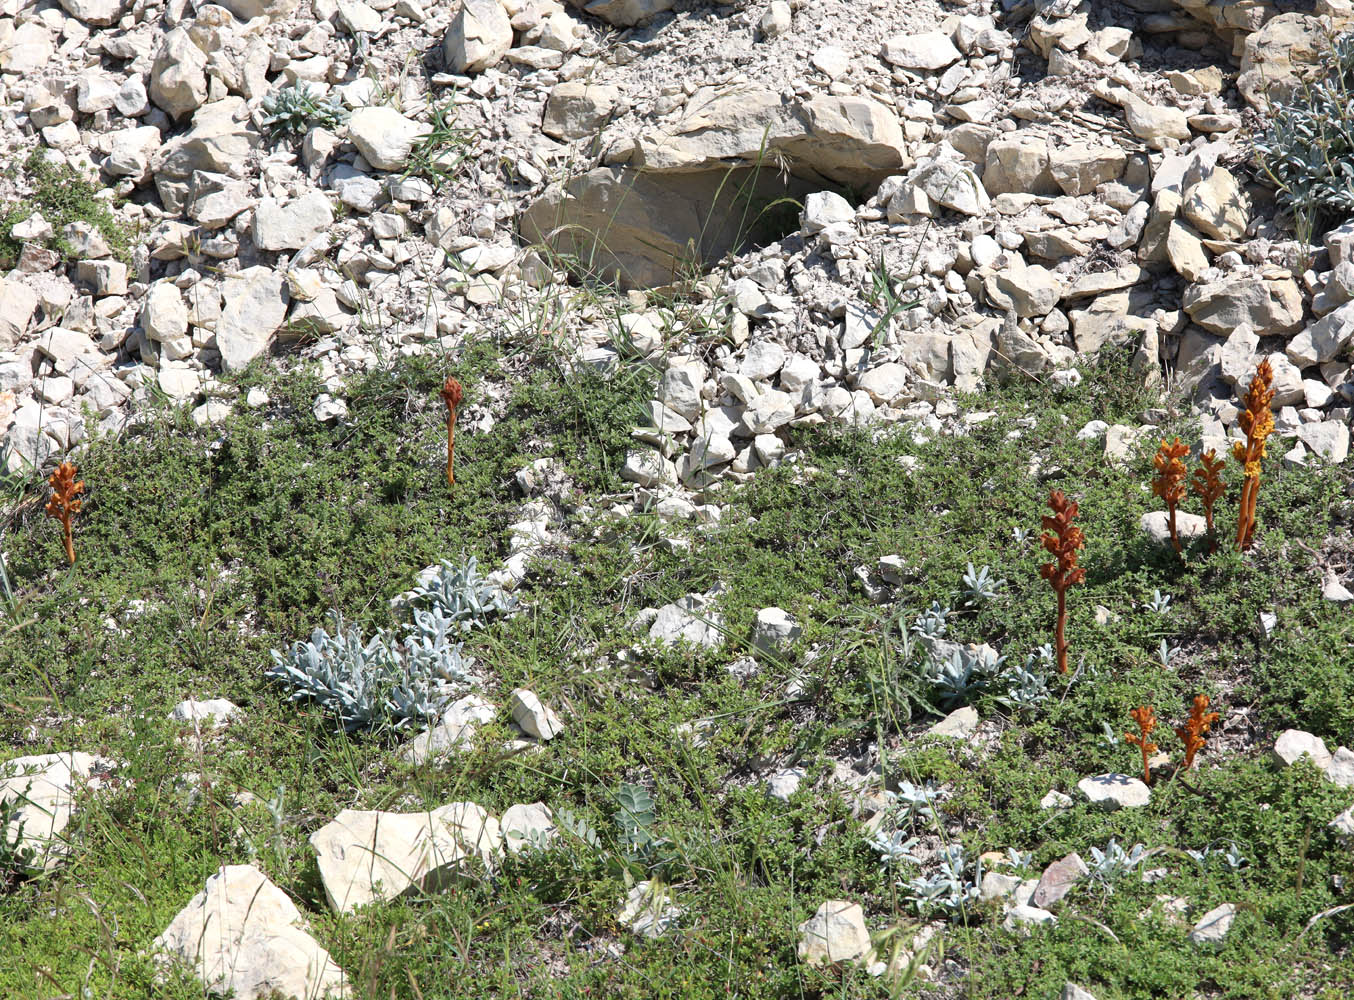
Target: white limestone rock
{"type": "Point", "coordinates": [1115, 791]}
{"type": "Point", "coordinates": [835, 933]}
{"type": "Point", "coordinates": [244, 936]}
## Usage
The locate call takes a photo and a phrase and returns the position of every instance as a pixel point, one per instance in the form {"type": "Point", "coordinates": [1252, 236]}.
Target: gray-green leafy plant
{"type": "Point", "coordinates": [949, 891]}
{"type": "Point", "coordinates": [388, 679]}
{"type": "Point", "coordinates": [291, 112]}
{"type": "Point", "coordinates": [1307, 152]}
{"type": "Point", "coordinates": [963, 673]}
{"type": "Point", "coordinates": [1114, 862]}
{"type": "Point", "coordinates": [980, 585]}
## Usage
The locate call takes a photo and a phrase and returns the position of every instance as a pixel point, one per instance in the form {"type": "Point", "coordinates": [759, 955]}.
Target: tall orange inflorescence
{"type": "Point", "coordinates": [1169, 484]}
{"type": "Point", "coordinates": [1063, 541]}
{"type": "Point", "coordinates": [1147, 721]}
{"type": "Point", "coordinates": [1208, 486]}
{"type": "Point", "coordinates": [451, 395]}
{"type": "Point", "coordinates": [1192, 732]}
{"type": "Point", "coordinates": [1257, 420]}
{"type": "Point", "coordinates": [64, 502]}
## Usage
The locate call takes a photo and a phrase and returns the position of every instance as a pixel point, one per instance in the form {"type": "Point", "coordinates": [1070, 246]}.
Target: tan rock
{"type": "Point", "coordinates": [1081, 167]}
{"type": "Point", "coordinates": [1217, 205]}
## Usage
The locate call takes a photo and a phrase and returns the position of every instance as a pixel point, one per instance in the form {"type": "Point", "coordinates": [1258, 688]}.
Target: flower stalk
{"type": "Point", "coordinates": [1192, 732]}
{"type": "Point", "coordinates": [1169, 484]}
{"type": "Point", "coordinates": [1257, 420]}
{"type": "Point", "coordinates": [1208, 486]}
{"type": "Point", "coordinates": [1063, 541]}
{"type": "Point", "coordinates": [65, 501]}
{"type": "Point", "coordinates": [1146, 719]}
{"type": "Point", "coordinates": [451, 395]}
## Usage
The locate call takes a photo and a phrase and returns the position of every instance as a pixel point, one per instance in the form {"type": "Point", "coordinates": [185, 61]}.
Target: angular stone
{"type": "Point", "coordinates": [178, 77]}
{"type": "Point", "coordinates": [1294, 744]}
{"type": "Point", "coordinates": [1030, 289]}
{"type": "Point", "coordinates": [1081, 167]}
{"type": "Point", "coordinates": [454, 731]}
{"type": "Point", "coordinates": [1217, 205]}
{"type": "Point", "coordinates": [18, 302]}
{"type": "Point", "coordinates": [1340, 771]}
{"type": "Point", "coordinates": [949, 182]}
{"type": "Point", "coordinates": [1268, 305]}
{"type": "Point", "coordinates": [527, 826]}
{"type": "Point", "coordinates": [1185, 251]}
{"type": "Point", "coordinates": [1115, 791]}
{"type": "Point", "coordinates": [479, 36]}
{"type": "Point", "coordinates": [576, 110]}
{"type": "Point", "coordinates": [1325, 339]}
{"type": "Point", "coordinates": [292, 226]}
{"type": "Point", "coordinates": [535, 718]}
{"type": "Point", "coordinates": [1019, 163]}
{"type": "Point", "coordinates": [384, 137]}
{"type": "Point", "coordinates": [1213, 926]}
{"type": "Point", "coordinates": [1188, 526]}
{"type": "Point", "coordinates": [255, 307]}
{"type": "Point", "coordinates": [368, 856]}
{"type": "Point", "coordinates": [215, 713]}
{"type": "Point", "coordinates": [623, 13]}
{"type": "Point", "coordinates": [1058, 880]}
{"type": "Point", "coordinates": [1278, 56]}
{"type": "Point", "coordinates": [835, 933]}
{"type": "Point", "coordinates": [927, 51]}
{"type": "Point", "coordinates": [775, 630]}
{"type": "Point", "coordinates": [244, 936]}
{"type": "Point", "coordinates": [45, 786]}
{"type": "Point", "coordinates": [959, 724]}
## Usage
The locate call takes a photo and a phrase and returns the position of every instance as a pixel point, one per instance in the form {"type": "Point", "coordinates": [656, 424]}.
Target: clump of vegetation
{"type": "Point", "coordinates": [439, 154]}
{"type": "Point", "coordinates": [291, 112]}
{"type": "Point", "coordinates": [1307, 152]}
{"type": "Point", "coordinates": [61, 195]}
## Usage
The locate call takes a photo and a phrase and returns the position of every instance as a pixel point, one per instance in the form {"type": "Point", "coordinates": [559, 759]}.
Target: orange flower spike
{"type": "Point", "coordinates": [1063, 542]}
{"type": "Point", "coordinates": [1146, 719]}
{"type": "Point", "coordinates": [1257, 420]}
{"type": "Point", "coordinates": [64, 502]}
{"type": "Point", "coordinates": [451, 395]}
{"type": "Point", "coordinates": [1209, 488]}
{"type": "Point", "coordinates": [1192, 732]}
{"type": "Point", "coordinates": [1170, 481]}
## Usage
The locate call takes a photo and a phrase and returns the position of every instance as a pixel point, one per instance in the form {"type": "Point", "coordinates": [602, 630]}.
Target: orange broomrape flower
{"type": "Point", "coordinates": [1209, 488]}
{"type": "Point", "coordinates": [1147, 721]}
{"type": "Point", "coordinates": [451, 395]}
{"type": "Point", "coordinates": [1192, 732]}
{"type": "Point", "coordinates": [1170, 481]}
{"type": "Point", "coordinates": [65, 501]}
{"type": "Point", "coordinates": [1257, 420]}
{"type": "Point", "coordinates": [1063, 542]}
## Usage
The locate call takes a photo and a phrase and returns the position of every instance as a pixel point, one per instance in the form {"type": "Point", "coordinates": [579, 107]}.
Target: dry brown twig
{"type": "Point", "coordinates": [65, 501]}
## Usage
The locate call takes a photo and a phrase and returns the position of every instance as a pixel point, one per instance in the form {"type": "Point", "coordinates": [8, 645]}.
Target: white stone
{"type": "Point", "coordinates": [783, 784]}
{"type": "Point", "coordinates": [1340, 771]}
{"type": "Point", "coordinates": [480, 35]}
{"type": "Point", "coordinates": [367, 856]}
{"type": "Point", "coordinates": [823, 208]}
{"type": "Point", "coordinates": [930, 50]}
{"type": "Point", "coordinates": [1325, 339]}
{"type": "Point", "coordinates": [535, 718]}
{"type": "Point", "coordinates": [775, 630]}
{"type": "Point", "coordinates": [244, 936]}
{"type": "Point", "coordinates": [1294, 744]}
{"type": "Point", "coordinates": [1055, 800]}
{"type": "Point", "coordinates": [385, 137]}
{"type": "Point", "coordinates": [327, 408]}
{"type": "Point", "coordinates": [1114, 791]}
{"type": "Point", "coordinates": [178, 78]}
{"type": "Point", "coordinates": [291, 227]}
{"type": "Point", "coordinates": [959, 724]}
{"type": "Point", "coordinates": [648, 910]}
{"type": "Point", "coordinates": [690, 619]}
{"type": "Point", "coordinates": [217, 713]}
{"type": "Point", "coordinates": [255, 305]}
{"type": "Point", "coordinates": [454, 731]}
{"type": "Point", "coordinates": [46, 786]}
{"type": "Point", "coordinates": [763, 360]}
{"type": "Point", "coordinates": [1213, 926]}
{"type": "Point", "coordinates": [835, 933]}
{"type": "Point", "coordinates": [527, 826]}
{"type": "Point", "coordinates": [1155, 524]}
{"type": "Point", "coordinates": [776, 21]}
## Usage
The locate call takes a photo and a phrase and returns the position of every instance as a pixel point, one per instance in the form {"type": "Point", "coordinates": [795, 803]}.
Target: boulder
{"type": "Point", "coordinates": [247, 10]}
{"type": "Point", "coordinates": [255, 305]}
{"type": "Point", "coordinates": [368, 856]}
{"type": "Point", "coordinates": [1019, 163]}
{"type": "Point", "coordinates": [479, 36]}
{"type": "Point", "coordinates": [623, 13]}
{"type": "Point", "coordinates": [290, 227]}
{"type": "Point", "coordinates": [178, 77]}
{"type": "Point", "coordinates": [930, 50]}
{"type": "Point", "coordinates": [576, 110]}
{"type": "Point", "coordinates": [1029, 289]}
{"type": "Point", "coordinates": [1270, 305]}
{"type": "Point", "coordinates": [219, 141]}
{"type": "Point", "coordinates": [1114, 791]}
{"type": "Point", "coordinates": [244, 936]}
{"type": "Point", "coordinates": [1081, 167]}
{"type": "Point", "coordinates": [18, 302]}
{"type": "Point", "coordinates": [164, 315]}
{"type": "Point", "coordinates": [384, 137]}
{"type": "Point", "coordinates": [1278, 57]}
{"type": "Point", "coordinates": [1325, 339]}
{"type": "Point", "coordinates": [835, 933]}
{"type": "Point", "coordinates": [97, 12]}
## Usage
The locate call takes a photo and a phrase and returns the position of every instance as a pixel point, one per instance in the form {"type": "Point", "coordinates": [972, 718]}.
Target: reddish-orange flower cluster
{"type": "Point", "coordinates": [1147, 721]}
{"type": "Point", "coordinates": [65, 501]}
{"type": "Point", "coordinates": [1192, 732]}
{"type": "Point", "coordinates": [1064, 540]}
{"type": "Point", "coordinates": [451, 395]}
